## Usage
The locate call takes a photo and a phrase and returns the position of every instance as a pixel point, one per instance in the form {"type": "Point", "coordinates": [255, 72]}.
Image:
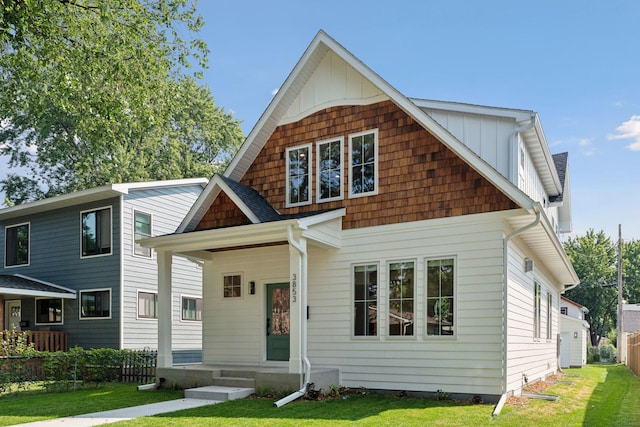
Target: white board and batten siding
{"type": "Point", "coordinates": [468, 362]}
{"type": "Point", "coordinates": [528, 356]}
{"type": "Point", "coordinates": [167, 206]}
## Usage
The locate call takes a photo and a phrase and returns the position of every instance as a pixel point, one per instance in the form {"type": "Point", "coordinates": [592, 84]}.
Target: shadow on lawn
{"type": "Point", "coordinates": [353, 408]}
{"type": "Point", "coordinates": [606, 399]}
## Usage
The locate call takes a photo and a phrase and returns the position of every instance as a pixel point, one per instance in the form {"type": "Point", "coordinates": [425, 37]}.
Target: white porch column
{"type": "Point", "coordinates": [298, 305]}
{"type": "Point", "coordinates": [165, 357]}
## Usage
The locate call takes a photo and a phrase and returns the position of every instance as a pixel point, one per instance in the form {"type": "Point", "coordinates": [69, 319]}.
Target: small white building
{"type": "Point", "coordinates": [574, 334]}
{"type": "Point", "coordinates": [630, 324]}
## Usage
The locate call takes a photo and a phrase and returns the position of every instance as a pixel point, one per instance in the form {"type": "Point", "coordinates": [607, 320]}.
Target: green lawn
{"type": "Point", "coordinates": [601, 395]}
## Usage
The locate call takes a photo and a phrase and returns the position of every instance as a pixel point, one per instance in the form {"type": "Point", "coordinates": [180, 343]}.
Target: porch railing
{"type": "Point", "coordinates": [41, 340]}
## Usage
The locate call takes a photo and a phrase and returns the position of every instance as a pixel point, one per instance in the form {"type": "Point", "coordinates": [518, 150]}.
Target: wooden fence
{"type": "Point", "coordinates": [41, 340]}
{"type": "Point", "coordinates": [633, 352]}
{"type": "Point", "coordinates": [139, 367]}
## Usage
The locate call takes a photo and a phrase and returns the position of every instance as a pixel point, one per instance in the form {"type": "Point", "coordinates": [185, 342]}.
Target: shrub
{"type": "Point", "coordinates": [608, 353]}
{"type": "Point", "coordinates": [593, 355]}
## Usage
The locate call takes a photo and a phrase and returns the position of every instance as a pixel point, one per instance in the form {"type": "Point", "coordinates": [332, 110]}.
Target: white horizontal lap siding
{"type": "Point", "coordinates": [528, 356]}
{"type": "Point", "coordinates": [470, 362]}
{"type": "Point", "coordinates": [234, 328]}
{"type": "Point", "coordinates": [167, 207]}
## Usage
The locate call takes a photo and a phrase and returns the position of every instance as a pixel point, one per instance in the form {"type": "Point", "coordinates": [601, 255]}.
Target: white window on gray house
{"type": "Point", "coordinates": [440, 296]}
{"type": "Point", "coordinates": [16, 248]}
{"type": "Point", "coordinates": [96, 232]}
{"type": "Point", "coordinates": [401, 319]}
{"type": "Point", "coordinates": [142, 224]}
{"type": "Point", "coordinates": [329, 170]}
{"type": "Point", "coordinates": [299, 176]}
{"type": "Point", "coordinates": [549, 314]}
{"type": "Point", "coordinates": [49, 311]}
{"type": "Point", "coordinates": [537, 310]}
{"type": "Point", "coordinates": [191, 308]}
{"type": "Point", "coordinates": [95, 304]}
{"type": "Point", "coordinates": [147, 305]}
{"type": "Point", "coordinates": [363, 163]}
{"type": "Point", "coordinates": [232, 286]}
{"type": "Point", "coordinates": [365, 283]}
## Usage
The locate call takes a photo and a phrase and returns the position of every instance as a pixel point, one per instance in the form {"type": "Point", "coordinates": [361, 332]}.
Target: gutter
{"type": "Point", "coordinates": [302, 253]}
{"type": "Point", "coordinates": [537, 208]}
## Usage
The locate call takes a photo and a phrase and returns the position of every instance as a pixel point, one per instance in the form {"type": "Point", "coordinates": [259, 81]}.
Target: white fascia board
{"type": "Point", "coordinates": [200, 206]}
{"type": "Point", "coordinates": [559, 248]}
{"type": "Point", "coordinates": [126, 187]}
{"type": "Point", "coordinates": [34, 293]}
{"type": "Point", "coordinates": [237, 200]}
{"type": "Point", "coordinates": [483, 110]}
{"type": "Point", "coordinates": [53, 285]}
{"type": "Point", "coordinates": [305, 223]}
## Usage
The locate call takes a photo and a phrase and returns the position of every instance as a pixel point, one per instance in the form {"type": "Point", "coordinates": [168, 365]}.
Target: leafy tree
{"type": "Point", "coordinates": [95, 92]}
{"type": "Point", "coordinates": [594, 258]}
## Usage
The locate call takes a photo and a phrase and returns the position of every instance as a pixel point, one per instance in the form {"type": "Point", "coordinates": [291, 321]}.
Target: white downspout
{"type": "Point", "coordinates": [303, 323]}
{"type": "Point", "coordinates": [505, 275]}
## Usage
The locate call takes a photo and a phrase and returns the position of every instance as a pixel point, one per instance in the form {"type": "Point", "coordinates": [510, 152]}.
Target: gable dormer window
{"type": "Point", "coordinates": [298, 175]}
{"type": "Point", "coordinates": [329, 169]}
{"type": "Point", "coordinates": [363, 163]}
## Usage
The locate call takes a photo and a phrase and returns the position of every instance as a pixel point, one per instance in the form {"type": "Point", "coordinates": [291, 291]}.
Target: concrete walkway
{"type": "Point", "coordinates": [123, 414]}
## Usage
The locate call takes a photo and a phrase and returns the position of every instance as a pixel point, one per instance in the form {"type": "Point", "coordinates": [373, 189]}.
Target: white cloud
{"type": "Point", "coordinates": [629, 130]}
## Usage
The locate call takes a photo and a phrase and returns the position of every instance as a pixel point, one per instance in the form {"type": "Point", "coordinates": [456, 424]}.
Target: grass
{"type": "Point", "coordinates": [36, 405]}
{"type": "Point", "coordinates": [600, 395]}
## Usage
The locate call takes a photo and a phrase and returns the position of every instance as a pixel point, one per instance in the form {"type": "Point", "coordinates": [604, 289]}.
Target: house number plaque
{"type": "Point", "coordinates": [294, 290]}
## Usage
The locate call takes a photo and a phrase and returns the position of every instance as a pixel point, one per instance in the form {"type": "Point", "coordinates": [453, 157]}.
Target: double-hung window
{"type": "Point", "coordinates": [95, 304]}
{"type": "Point", "coordinates": [49, 311]}
{"type": "Point", "coordinates": [16, 247]}
{"type": "Point", "coordinates": [363, 163]}
{"type": "Point", "coordinates": [191, 308]}
{"type": "Point", "coordinates": [142, 223]}
{"type": "Point", "coordinates": [365, 310]}
{"type": "Point", "coordinates": [537, 309]}
{"type": "Point", "coordinates": [402, 298]}
{"type": "Point", "coordinates": [96, 232]}
{"type": "Point", "coordinates": [299, 176]}
{"type": "Point", "coordinates": [440, 296]}
{"type": "Point", "coordinates": [147, 305]}
{"type": "Point", "coordinates": [329, 170]}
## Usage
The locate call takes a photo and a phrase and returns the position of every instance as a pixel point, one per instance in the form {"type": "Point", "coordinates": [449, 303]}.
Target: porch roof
{"type": "Point", "coordinates": [321, 229]}
{"type": "Point", "coordinates": [19, 285]}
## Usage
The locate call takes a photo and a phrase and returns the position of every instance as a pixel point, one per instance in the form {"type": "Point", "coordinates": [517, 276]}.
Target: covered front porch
{"type": "Point", "coordinates": [269, 260]}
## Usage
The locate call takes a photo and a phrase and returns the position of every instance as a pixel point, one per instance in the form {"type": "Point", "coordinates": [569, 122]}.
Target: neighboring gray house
{"type": "Point", "coordinates": [70, 263]}
{"type": "Point", "coordinates": [630, 324]}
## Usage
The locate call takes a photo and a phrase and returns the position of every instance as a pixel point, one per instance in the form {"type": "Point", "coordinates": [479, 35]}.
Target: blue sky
{"type": "Point", "coordinates": [576, 63]}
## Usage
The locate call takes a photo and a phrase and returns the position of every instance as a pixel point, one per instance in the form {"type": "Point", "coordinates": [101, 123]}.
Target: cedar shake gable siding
{"type": "Point", "coordinates": [419, 177]}
{"type": "Point", "coordinates": [223, 212]}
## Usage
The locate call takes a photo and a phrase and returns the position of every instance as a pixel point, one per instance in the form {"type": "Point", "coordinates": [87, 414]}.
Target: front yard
{"type": "Point", "coordinates": [599, 395]}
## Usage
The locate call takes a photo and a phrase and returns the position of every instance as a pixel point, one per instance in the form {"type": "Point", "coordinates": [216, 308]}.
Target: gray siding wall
{"type": "Point", "coordinates": [55, 256]}
{"type": "Point", "coordinates": [167, 207]}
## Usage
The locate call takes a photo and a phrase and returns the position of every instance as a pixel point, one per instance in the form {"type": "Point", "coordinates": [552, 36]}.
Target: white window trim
{"type": "Point", "coordinates": [183, 296]}
{"type": "Point", "coordinates": [353, 299]}
{"type": "Point", "coordinates": [288, 204]}
{"type": "Point", "coordinates": [95, 290]}
{"type": "Point", "coordinates": [453, 336]}
{"type": "Point", "coordinates": [549, 331]}
{"type": "Point", "coordinates": [35, 319]}
{"type": "Point", "coordinates": [110, 207]}
{"type": "Point", "coordinates": [242, 291]}
{"type": "Point", "coordinates": [318, 169]}
{"type": "Point", "coordinates": [415, 299]}
{"type": "Point", "coordinates": [133, 233]}
{"type": "Point", "coordinates": [377, 161]}
{"type": "Point", "coordinates": [29, 243]}
{"type": "Point", "coordinates": [145, 291]}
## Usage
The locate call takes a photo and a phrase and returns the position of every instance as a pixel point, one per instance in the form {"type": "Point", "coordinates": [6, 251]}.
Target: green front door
{"type": "Point", "coordinates": [278, 321]}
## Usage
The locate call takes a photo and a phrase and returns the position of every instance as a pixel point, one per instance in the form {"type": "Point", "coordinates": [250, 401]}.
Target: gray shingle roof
{"type": "Point", "coordinates": [23, 283]}
{"type": "Point", "coordinates": [560, 162]}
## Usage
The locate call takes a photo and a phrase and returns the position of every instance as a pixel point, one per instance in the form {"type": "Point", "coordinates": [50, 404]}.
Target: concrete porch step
{"type": "Point", "coordinates": [220, 393]}
{"type": "Point", "coordinates": [235, 382]}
